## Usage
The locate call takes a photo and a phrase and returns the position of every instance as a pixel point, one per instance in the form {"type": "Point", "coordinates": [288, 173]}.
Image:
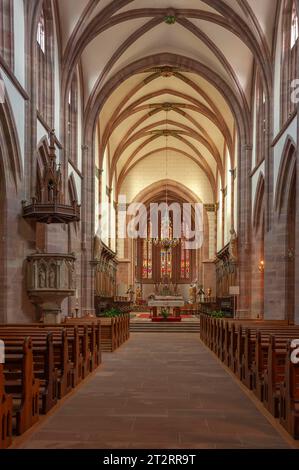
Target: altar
{"type": "Point", "coordinates": [166, 296]}
{"type": "Point", "coordinates": [171, 303]}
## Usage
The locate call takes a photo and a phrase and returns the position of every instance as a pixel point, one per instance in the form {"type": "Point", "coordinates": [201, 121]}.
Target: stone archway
{"type": "Point", "coordinates": [10, 206]}
{"type": "Point", "coordinates": [291, 253]}
{"type": "Point", "coordinates": [203, 269]}
{"type": "Point", "coordinates": [280, 275]}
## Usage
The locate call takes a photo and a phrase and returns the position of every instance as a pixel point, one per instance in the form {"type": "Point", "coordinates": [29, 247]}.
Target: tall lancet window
{"type": "Point", "coordinates": [294, 51]}
{"type": "Point", "coordinates": [40, 37]}
{"type": "Point", "coordinates": [45, 64]}
{"type": "Point", "coordinates": [7, 32]}
{"type": "Point", "coordinates": [294, 26]}
{"type": "Point", "coordinates": [72, 121]}
{"type": "Point", "coordinates": [147, 256]}
{"type": "Point", "coordinates": [289, 59]}
{"type": "Point", "coordinates": [158, 261]}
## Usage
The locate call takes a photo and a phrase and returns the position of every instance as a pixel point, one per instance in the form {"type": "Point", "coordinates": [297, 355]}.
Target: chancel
{"type": "Point", "coordinates": [166, 296]}
{"type": "Point", "coordinates": [149, 224]}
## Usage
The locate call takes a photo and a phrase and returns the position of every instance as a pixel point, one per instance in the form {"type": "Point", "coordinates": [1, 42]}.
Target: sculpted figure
{"type": "Point", "coordinates": [42, 278]}
{"type": "Point", "coordinates": [52, 277]}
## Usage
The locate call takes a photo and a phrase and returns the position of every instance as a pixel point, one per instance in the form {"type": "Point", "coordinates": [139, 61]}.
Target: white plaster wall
{"type": "Point", "coordinates": [18, 108]}
{"type": "Point", "coordinates": [277, 78]}
{"type": "Point", "coordinates": [153, 169]}
{"type": "Point", "coordinates": [79, 117]}
{"type": "Point", "coordinates": [19, 40]}
{"type": "Point", "coordinates": [56, 85]}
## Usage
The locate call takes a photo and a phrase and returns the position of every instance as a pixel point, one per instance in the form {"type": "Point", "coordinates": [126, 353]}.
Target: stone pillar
{"type": "Point", "coordinates": [211, 211]}
{"type": "Point", "coordinates": [297, 226]}
{"type": "Point", "coordinates": [244, 230]}
{"type": "Point", "coordinates": [233, 177]}
{"type": "Point", "coordinates": [88, 208]}
{"type": "Point", "coordinates": [223, 193]}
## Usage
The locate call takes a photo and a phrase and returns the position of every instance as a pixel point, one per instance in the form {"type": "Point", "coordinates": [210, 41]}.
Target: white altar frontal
{"type": "Point", "coordinates": [170, 302]}
{"type": "Point", "coordinates": [167, 301]}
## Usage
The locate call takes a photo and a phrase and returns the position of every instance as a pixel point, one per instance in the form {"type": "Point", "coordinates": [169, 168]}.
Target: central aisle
{"type": "Point", "coordinates": [158, 391]}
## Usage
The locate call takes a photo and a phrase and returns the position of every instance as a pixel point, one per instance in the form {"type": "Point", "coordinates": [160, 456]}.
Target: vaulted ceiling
{"type": "Point", "coordinates": [158, 106]}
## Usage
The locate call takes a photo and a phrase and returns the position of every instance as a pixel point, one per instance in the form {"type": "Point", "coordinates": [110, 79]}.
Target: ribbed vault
{"type": "Point", "coordinates": [157, 74]}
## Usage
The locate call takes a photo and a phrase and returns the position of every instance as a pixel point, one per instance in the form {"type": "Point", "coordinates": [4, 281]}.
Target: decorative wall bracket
{"type": "Point", "coordinates": [47, 206]}
{"type": "Point", "coordinates": [50, 279]}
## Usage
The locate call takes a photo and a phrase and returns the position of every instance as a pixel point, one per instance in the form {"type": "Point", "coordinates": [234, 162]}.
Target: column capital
{"type": "Point", "coordinates": [224, 191]}
{"type": "Point", "coordinates": [233, 173]}
{"type": "Point", "coordinates": [209, 207]}
{"type": "Point", "coordinates": [99, 172]}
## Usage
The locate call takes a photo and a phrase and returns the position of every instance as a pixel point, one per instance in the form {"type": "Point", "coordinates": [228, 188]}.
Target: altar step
{"type": "Point", "coordinates": [149, 327]}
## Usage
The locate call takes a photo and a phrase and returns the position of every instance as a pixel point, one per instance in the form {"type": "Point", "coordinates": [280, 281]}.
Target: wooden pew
{"type": "Point", "coordinates": [255, 353]}
{"type": "Point", "coordinates": [91, 327]}
{"type": "Point", "coordinates": [63, 365]}
{"type": "Point", "coordinates": [259, 354]}
{"type": "Point", "coordinates": [89, 354]}
{"type": "Point", "coordinates": [274, 373]}
{"type": "Point", "coordinates": [21, 384]}
{"type": "Point", "coordinates": [289, 396]}
{"type": "Point", "coordinates": [6, 412]}
{"type": "Point", "coordinates": [113, 331]}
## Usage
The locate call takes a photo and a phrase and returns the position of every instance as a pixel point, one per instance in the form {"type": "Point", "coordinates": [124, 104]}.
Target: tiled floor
{"type": "Point", "coordinates": [158, 391]}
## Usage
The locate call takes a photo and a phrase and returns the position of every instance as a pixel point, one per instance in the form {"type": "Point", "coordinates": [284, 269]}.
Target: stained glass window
{"type": "Point", "coordinates": [158, 263]}
{"type": "Point", "coordinates": [40, 37]}
{"type": "Point", "coordinates": [185, 254]}
{"type": "Point", "coordinates": [147, 256]}
{"type": "Point", "coordinates": [294, 26]}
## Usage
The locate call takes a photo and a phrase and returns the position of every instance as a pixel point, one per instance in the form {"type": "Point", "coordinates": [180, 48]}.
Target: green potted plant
{"type": "Point", "coordinates": [217, 314]}
{"type": "Point", "coordinates": [112, 312]}
{"type": "Point", "coordinates": [164, 313]}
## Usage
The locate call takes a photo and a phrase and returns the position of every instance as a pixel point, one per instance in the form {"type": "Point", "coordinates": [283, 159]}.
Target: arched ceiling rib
{"type": "Point", "coordinates": [226, 37]}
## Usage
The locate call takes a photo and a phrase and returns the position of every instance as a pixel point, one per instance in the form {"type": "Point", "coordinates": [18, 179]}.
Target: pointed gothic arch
{"type": "Point", "coordinates": [286, 173]}
{"type": "Point", "coordinates": [258, 250]}
{"type": "Point", "coordinates": [10, 179]}
{"type": "Point", "coordinates": [259, 202]}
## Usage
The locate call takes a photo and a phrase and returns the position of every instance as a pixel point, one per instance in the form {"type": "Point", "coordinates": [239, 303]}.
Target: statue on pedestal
{"type": "Point", "coordinates": [201, 293]}
{"type": "Point", "coordinates": [138, 295]}
{"type": "Point", "coordinates": [131, 293]}
{"type": "Point", "coordinates": [192, 294]}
